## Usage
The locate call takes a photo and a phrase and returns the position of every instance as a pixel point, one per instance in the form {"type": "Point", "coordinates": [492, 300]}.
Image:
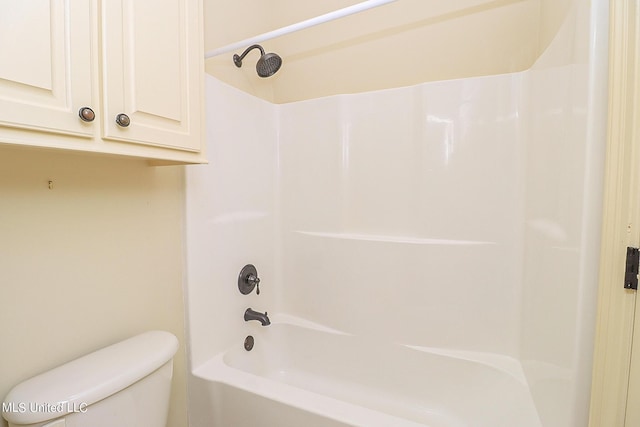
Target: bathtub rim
{"type": "Point", "coordinates": [217, 371]}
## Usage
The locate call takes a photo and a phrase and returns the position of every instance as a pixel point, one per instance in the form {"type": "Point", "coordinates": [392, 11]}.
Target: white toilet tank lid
{"type": "Point", "coordinates": [90, 378]}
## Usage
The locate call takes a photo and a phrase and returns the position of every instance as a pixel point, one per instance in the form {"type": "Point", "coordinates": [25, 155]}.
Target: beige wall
{"type": "Point", "coordinates": [227, 21]}
{"type": "Point", "coordinates": [94, 260]}
{"type": "Point", "coordinates": [552, 14]}
{"type": "Point", "coordinates": [400, 44]}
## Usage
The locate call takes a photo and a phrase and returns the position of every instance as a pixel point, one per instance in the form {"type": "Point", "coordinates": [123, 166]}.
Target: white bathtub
{"type": "Point", "coordinates": [299, 376]}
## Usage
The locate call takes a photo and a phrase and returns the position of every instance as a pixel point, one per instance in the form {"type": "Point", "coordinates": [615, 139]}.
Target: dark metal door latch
{"type": "Point", "coordinates": [631, 268]}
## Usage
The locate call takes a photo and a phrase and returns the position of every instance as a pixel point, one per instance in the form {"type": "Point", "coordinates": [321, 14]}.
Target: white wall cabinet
{"type": "Point", "coordinates": [41, 81]}
{"type": "Point", "coordinates": [137, 60]}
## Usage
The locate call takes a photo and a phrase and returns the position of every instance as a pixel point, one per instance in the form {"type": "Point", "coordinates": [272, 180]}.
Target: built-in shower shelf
{"type": "Point", "coordinates": [386, 238]}
{"type": "Point", "coordinates": [240, 216]}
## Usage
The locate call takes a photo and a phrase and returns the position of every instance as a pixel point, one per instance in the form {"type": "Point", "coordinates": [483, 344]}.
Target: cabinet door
{"type": "Point", "coordinates": [45, 65]}
{"type": "Point", "coordinates": [152, 65]}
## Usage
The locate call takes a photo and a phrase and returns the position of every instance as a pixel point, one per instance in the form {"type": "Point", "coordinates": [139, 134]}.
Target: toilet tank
{"type": "Point", "coordinates": [126, 384]}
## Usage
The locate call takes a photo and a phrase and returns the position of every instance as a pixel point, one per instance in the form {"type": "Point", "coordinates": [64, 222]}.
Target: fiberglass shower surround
{"type": "Point", "coordinates": [427, 254]}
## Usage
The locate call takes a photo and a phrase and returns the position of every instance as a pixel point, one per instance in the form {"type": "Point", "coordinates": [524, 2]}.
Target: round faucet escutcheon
{"type": "Point", "coordinates": [248, 280]}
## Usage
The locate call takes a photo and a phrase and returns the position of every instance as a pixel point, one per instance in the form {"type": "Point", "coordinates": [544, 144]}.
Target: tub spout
{"type": "Point", "coordinates": [250, 314]}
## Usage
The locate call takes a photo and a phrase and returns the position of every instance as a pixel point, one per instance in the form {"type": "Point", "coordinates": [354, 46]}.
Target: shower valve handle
{"type": "Point", "coordinates": [253, 280]}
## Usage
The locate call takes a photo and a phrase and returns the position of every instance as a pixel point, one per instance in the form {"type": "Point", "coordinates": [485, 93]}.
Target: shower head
{"type": "Point", "coordinates": [268, 64]}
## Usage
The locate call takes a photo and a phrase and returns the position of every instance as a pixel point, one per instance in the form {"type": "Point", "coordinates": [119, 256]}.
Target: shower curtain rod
{"type": "Point", "coordinates": [340, 13]}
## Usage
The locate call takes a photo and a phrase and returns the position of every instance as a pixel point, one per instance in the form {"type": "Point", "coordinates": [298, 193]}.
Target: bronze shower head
{"type": "Point", "coordinates": [268, 64]}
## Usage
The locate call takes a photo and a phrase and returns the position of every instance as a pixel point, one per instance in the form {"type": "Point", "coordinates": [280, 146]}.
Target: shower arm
{"type": "Point", "coordinates": [238, 59]}
{"type": "Point", "coordinates": [340, 13]}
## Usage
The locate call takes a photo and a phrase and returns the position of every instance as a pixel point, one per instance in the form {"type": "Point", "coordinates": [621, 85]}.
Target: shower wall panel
{"type": "Point", "coordinates": [401, 212]}
{"type": "Point", "coordinates": [562, 216]}
{"type": "Point", "coordinates": [230, 218]}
